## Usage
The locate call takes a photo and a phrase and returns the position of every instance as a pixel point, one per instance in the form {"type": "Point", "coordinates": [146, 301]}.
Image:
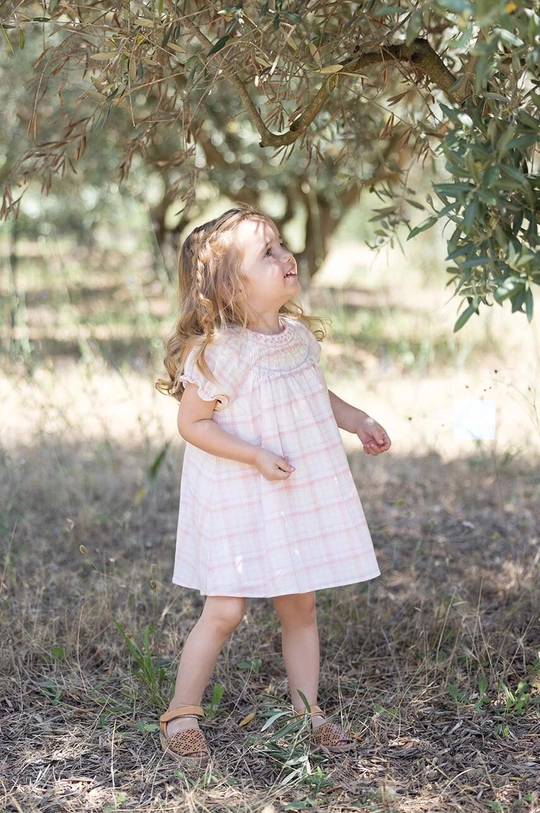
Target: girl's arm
{"type": "Point", "coordinates": [195, 425]}
{"type": "Point", "coordinates": [373, 436]}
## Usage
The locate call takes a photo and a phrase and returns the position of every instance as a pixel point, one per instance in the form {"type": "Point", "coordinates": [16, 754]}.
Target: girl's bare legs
{"type": "Point", "coordinates": [219, 619]}
{"type": "Point", "coordinates": [300, 641]}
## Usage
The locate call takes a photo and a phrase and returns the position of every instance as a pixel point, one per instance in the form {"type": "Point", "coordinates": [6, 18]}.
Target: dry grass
{"type": "Point", "coordinates": [436, 664]}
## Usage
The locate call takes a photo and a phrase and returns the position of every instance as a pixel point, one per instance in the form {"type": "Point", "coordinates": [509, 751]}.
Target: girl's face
{"type": "Point", "coordinates": [268, 266]}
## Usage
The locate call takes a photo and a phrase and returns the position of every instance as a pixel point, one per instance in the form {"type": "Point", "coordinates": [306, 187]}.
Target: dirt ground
{"type": "Point", "coordinates": [436, 665]}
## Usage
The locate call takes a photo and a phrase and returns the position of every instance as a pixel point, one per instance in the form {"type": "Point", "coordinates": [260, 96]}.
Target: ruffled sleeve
{"type": "Point", "coordinates": [228, 365]}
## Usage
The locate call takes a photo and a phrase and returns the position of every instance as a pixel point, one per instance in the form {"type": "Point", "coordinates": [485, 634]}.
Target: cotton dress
{"type": "Point", "coordinates": [240, 534]}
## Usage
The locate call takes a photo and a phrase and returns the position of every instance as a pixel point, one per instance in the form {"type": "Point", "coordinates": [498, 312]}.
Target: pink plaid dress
{"type": "Point", "coordinates": [242, 535]}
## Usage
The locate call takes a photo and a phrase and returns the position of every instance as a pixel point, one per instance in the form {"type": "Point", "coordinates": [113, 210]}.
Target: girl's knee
{"type": "Point", "coordinates": [299, 607]}
{"type": "Point", "coordinates": [225, 612]}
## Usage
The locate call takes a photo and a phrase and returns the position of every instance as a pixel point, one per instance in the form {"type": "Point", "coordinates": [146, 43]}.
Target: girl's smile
{"type": "Point", "coordinates": [268, 267]}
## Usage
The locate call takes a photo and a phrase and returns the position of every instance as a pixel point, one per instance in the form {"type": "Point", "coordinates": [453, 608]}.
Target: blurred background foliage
{"type": "Point", "coordinates": [161, 108]}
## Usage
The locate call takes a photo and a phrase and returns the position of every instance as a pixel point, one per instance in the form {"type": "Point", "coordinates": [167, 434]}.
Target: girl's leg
{"type": "Point", "coordinates": [219, 619]}
{"type": "Point", "coordinates": [301, 655]}
{"type": "Point", "coordinates": [300, 640]}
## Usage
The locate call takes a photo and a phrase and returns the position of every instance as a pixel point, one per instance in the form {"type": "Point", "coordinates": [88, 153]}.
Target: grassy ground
{"type": "Point", "coordinates": [436, 665]}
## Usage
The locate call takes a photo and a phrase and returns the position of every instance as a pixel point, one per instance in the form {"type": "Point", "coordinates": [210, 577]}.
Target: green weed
{"type": "Point", "coordinates": [477, 701]}
{"type": "Point", "coordinates": [110, 705]}
{"type": "Point", "coordinates": [217, 696]}
{"type": "Point", "coordinates": [119, 799]}
{"type": "Point", "coordinates": [518, 701]}
{"type": "Point", "coordinates": [58, 652]}
{"type": "Point", "coordinates": [52, 692]}
{"type": "Point", "coordinates": [151, 671]}
{"type": "Point", "coordinates": [391, 713]}
{"type": "Point", "coordinates": [252, 665]}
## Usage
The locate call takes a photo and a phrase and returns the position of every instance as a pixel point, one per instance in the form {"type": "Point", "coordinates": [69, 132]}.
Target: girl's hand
{"type": "Point", "coordinates": [272, 466]}
{"type": "Point", "coordinates": [373, 436]}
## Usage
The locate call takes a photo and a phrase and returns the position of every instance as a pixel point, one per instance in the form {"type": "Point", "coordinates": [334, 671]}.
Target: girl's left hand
{"type": "Point", "coordinates": [373, 436]}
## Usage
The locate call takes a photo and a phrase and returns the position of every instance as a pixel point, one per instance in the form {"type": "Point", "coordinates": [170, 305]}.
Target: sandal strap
{"type": "Point", "coordinates": [181, 711]}
{"type": "Point", "coordinates": [174, 714]}
{"type": "Point", "coordinates": [312, 710]}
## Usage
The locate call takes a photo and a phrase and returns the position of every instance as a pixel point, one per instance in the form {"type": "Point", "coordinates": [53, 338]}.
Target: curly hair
{"type": "Point", "coordinates": [213, 295]}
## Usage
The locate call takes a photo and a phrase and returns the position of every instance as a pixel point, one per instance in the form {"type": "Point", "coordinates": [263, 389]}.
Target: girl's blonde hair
{"type": "Point", "coordinates": [213, 295]}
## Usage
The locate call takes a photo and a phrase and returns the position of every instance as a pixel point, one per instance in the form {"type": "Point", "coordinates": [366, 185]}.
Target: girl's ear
{"type": "Point", "coordinates": [239, 293]}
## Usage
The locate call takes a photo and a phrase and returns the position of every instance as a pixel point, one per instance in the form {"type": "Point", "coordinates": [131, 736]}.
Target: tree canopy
{"type": "Point", "coordinates": [334, 95]}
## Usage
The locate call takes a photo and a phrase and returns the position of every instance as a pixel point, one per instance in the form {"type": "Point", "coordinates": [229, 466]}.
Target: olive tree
{"type": "Point", "coordinates": [346, 91]}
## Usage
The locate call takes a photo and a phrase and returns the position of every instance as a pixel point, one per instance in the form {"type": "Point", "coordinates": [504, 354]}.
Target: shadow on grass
{"type": "Point", "coordinates": [136, 352]}
{"type": "Point", "coordinates": [435, 664]}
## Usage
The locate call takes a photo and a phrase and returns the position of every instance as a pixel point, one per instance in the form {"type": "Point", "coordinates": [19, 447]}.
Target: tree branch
{"type": "Point", "coordinates": [420, 54]}
{"type": "Point", "coordinates": [423, 56]}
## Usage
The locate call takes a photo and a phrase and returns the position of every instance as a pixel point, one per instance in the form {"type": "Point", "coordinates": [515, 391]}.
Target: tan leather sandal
{"type": "Point", "coordinates": [330, 738]}
{"type": "Point", "coordinates": [188, 746]}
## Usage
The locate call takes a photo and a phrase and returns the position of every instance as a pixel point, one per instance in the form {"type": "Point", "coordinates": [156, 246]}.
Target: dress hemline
{"type": "Point", "coordinates": [326, 586]}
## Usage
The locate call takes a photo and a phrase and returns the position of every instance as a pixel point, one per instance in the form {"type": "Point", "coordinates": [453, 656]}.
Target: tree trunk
{"type": "Point", "coordinates": [13, 293]}
{"type": "Point", "coordinates": [321, 224]}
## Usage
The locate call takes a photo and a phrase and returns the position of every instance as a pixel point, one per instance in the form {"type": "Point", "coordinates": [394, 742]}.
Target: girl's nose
{"type": "Point", "coordinates": [288, 256]}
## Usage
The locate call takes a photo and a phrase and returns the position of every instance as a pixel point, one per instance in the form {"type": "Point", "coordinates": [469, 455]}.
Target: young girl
{"type": "Point", "coordinates": [268, 506]}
